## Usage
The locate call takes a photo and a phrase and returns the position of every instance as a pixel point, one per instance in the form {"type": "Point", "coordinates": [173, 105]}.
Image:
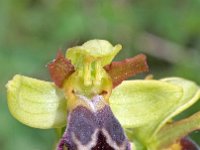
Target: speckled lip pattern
{"type": "Point", "coordinates": [93, 131]}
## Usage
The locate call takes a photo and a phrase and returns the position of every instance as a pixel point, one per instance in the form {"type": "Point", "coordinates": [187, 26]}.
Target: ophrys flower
{"type": "Point", "coordinates": [97, 108]}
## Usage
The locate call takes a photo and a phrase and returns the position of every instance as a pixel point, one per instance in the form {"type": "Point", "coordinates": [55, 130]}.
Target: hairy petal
{"type": "Point", "coordinates": [36, 103]}
{"type": "Point", "coordinates": [122, 70]}
{"type": "Point", "coordinates": [60, 69]}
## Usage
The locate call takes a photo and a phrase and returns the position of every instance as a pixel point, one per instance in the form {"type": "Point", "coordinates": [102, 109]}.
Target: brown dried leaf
{"type": "Point", "coordinates": [122, 70]}
{"type": "Point", "coordinates": [60, 68]}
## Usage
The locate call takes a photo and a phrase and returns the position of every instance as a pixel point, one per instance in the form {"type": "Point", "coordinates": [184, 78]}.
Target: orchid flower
{"type": "Point", "coordinates": [100, 110]}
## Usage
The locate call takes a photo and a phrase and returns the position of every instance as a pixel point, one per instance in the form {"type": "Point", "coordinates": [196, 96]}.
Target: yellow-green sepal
{"type": "Point", "coordinates": [191, 94]}
{"type": "Point", "coordinates": [36, 103]}
{"type": "Point", "coordinates": [140, 102]}
{"type": "Point", "coordinates": [147, 105]}
{"type": "Point", "coordinates": [170, 133]}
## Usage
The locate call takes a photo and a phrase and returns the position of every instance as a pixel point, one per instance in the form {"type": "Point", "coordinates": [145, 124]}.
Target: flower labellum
{"type": "Point", "coordinates": [93, 129]}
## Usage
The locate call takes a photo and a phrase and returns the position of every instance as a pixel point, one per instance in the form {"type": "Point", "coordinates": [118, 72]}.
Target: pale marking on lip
{"type": "Point", "coordinates": [94, 140]}
{"type": "Point", "coordinates": [88, 146]}
{"type": "Point", "coordinates": [113, 143]}
{"type": "Point", "coordinates": [87, 101]}
{"type": "Point", "coordinates": [92, 103]}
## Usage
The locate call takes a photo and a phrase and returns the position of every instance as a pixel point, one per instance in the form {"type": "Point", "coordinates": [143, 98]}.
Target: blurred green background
{"type": "Point", "coordinates": [31, 31]}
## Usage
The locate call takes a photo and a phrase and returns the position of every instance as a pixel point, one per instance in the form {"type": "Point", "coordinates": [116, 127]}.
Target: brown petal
{"type": "Point", "coordinates": [122, 70]}
{"type": "Point", "coordinates": [60, 68]}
